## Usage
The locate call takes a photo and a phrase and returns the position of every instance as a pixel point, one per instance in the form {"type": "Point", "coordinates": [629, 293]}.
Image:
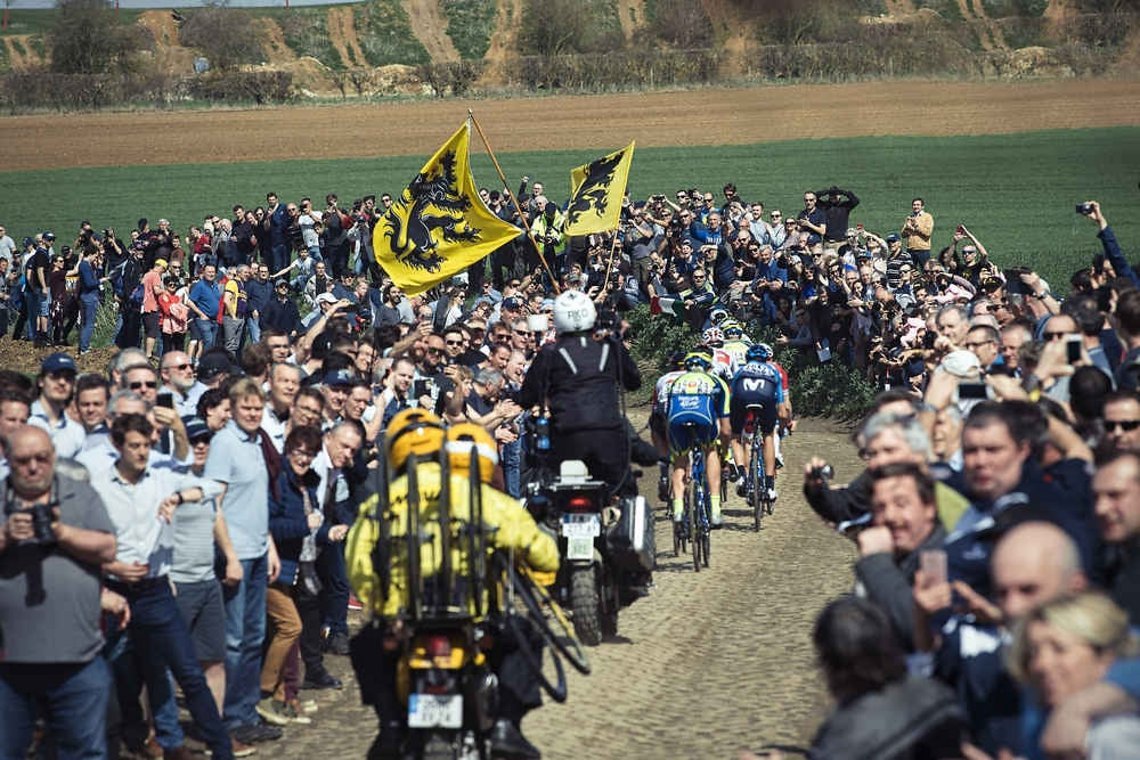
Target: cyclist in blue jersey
{"type": "Point", "coordinates": [696, 410]}
{"type": "Point", "coordinates": [759, 384]}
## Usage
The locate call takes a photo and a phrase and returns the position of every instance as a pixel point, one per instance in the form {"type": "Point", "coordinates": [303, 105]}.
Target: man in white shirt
{"type": "Point", "coordinates": [141, 501]}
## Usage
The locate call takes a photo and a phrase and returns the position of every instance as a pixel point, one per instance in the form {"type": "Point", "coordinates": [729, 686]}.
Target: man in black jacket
{"type": "Point", "coordinates": [904, 524]}
{"type": "Point", "coordinates": [281, 313]}
{"type": "Point", "coordinates": [836, 205]}
{"type": "Point", "coordinates": [579, 376]}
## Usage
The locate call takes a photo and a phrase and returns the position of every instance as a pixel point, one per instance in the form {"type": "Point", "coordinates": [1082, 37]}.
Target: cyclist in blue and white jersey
{"type": "Point", "coordinates": [758, 383]}
{"type": "Point", "coordinates": [697, 414]}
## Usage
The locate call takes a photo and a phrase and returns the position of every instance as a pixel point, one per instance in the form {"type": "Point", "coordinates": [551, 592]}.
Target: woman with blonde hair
{"type": "Point", "coordinates": [1061, 649]}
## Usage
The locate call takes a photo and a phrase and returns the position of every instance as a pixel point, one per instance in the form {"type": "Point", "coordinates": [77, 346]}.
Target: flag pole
{"type": "Point", "coordinates": [514, 200]}
{"type": "Point", "coordinates": [613, 251]}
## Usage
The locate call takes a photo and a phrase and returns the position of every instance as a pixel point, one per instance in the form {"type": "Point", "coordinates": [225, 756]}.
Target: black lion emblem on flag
{"type": "Point", "coordinates": [411, 226]}
{"type": "Point", "coordinates": [594, 189]}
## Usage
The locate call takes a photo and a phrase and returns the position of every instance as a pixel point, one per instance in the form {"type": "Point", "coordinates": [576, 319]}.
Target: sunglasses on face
{"type": "Point", "coordinates": [1125, 425]}
{"type": "Point", "coordinates": [138, 384]}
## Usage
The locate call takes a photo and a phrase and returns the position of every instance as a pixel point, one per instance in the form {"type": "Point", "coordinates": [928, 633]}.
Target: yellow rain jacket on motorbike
{"type": "Point", "coordinates": [506, 521]}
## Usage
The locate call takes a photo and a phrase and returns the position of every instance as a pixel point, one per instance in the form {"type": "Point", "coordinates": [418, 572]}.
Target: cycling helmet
{"type": "Point", "coordinates": [713, 336]}
{"type": "Point", "coordinates": [413, 431]}
{"type": "Point", "coordinates": [718, 315]}
{"type": "Point", "coordinates": [732, 330]}
{"type": "Point", "coordinates": [758, 352]}
{"type": "Point", "coordinates": [574, 312]}
{"type": "Point", "coordinates": [698, 360]}
{"type": "Point", "coordinates": [461, 438]}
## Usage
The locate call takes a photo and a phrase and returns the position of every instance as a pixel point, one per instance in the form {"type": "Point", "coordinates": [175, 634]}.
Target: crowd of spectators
{"type": "Point", "coordinates": [260, 356]}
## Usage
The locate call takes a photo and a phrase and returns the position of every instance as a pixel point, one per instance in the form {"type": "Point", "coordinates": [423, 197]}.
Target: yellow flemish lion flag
{"type": "Point", "coordinates": [439, 225]}
{"type": "Point", "coordinates": [598, 187]}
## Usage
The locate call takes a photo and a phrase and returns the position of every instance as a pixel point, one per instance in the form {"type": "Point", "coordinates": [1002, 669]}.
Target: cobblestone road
{"type": "Point", "coordinates": [709, 663]}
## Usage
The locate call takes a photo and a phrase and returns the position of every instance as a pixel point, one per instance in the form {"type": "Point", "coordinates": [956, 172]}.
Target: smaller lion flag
{"type": "Point", "coordinates": [439, 225]}
{"type": "Point", "coordinates": [597, 189]}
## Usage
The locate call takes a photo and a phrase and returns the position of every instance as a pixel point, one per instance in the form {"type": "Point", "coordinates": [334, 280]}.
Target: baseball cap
{"type": "Point", "coordinates": [326, 298]}
{"type": "Point", "coordinates": [58, 362]}
{"type": "Point", "coordinates": [337, 377]}
{"type": "Point", "coordinates": [212, 365]}
{"type": "Point", "coordinates": [161, 263]}
{"type": "Point", "coordinates": [49, 235]}
{"type": "Point", "coordinates": [281, 282]}
{"type": "Point", "coordinates": [893, 238]}
{"type": "Point", "coordinates": [511, 303]}
{"type": "Point", "coordinates": [197, 430]}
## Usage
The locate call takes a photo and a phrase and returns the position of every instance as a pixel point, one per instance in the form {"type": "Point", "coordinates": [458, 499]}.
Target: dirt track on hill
{"type": "Point", "coordinates": [714, 116]}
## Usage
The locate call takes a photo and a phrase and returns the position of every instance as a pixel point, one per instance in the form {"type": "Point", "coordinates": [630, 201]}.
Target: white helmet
{"type": "Point", "coordinates": [573, 312]}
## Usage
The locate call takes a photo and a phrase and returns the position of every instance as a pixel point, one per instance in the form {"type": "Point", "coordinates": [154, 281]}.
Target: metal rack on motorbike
{"type": "Point", "coordinates": [456, 613]}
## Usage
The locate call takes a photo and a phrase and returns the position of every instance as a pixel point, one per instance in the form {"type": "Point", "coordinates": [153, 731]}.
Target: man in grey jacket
{"type": "Point", "coordinates": [904, 523]}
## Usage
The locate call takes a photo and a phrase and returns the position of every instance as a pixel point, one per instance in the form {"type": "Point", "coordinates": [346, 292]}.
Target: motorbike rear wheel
{"type": "Point", "coordinates": [586, 604]}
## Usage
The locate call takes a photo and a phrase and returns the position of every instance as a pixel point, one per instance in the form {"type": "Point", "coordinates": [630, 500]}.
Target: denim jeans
{"type": "Point", "coordinates": [208, 329]}
{"type": "Point", "coordinates": [161, 637]}
{"type": "Point", "coordinates": [88, 307]}
{"type": "Point", "coordinates": [245, 632]}
{"type": "Point", "coordinates": [130, 674]}
{"type": "Point", "coordinates": [32, 299]}
{"type": "Point", "coordinates": [334, 595]}
{"type": "Point", "coordinates": [73, 698]}
{"type": "Point", "coordinates": [511, 458]}
{"type": "Point", "coordinates": [253, 330]}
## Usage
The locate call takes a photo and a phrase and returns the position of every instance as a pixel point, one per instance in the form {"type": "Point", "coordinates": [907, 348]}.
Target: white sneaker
{"type": "Point", "coordinates": [772, 494]}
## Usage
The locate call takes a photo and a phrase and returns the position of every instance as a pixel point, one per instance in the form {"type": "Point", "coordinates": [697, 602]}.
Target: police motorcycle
{"type": "Point", "coordinates": [456, 614]}
{"type": "Point", "coordinates": [601, 542]}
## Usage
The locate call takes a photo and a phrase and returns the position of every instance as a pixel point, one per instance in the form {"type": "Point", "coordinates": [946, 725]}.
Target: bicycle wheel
{"type": "Point", "coordinates": [706, 529]}
{"type": "Point", "coordinates": [753, 484]}
{"type": "Point", "coordinates": [693, 499]}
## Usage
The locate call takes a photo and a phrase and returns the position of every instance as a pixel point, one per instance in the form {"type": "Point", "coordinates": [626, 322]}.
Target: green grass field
{"type": "Point", "coordinates": [1016, 192]}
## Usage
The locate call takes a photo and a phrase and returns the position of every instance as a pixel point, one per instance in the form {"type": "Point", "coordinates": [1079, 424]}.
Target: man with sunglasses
{"type": "Point", "coordinates": [178, 378]}
{"type": "Point", "coordinates": [1122, 421]}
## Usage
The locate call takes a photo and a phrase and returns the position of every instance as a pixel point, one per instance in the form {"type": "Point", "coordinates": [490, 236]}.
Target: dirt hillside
{"type": "Point", "coordinates": [430, 27]}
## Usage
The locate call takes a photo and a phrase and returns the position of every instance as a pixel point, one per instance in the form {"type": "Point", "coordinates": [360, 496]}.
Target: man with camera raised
{"type": "Point", "coordinates": [55, 536]}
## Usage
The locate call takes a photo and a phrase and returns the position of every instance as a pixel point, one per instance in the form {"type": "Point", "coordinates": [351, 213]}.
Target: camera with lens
{"type": "Point", "coordinates": [1084, 209]}
{"type": "Point", "coordinates": [42, 518]}
{"type": "Point", "coordinates": [824, 473]}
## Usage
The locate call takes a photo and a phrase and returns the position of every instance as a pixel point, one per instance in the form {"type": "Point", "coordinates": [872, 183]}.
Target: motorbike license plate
{"type": "Point", "coordinates": [581, 526]}
{"type": "Point", "coordinates": [435, 711]}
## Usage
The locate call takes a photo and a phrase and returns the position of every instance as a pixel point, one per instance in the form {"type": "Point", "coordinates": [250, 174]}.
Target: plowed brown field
{"type": "Point", "coordinates": [713, 116]}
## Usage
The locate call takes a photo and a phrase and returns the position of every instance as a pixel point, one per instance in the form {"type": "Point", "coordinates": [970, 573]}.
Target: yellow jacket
{"type": "Point", "coordinates": [508, 524]}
